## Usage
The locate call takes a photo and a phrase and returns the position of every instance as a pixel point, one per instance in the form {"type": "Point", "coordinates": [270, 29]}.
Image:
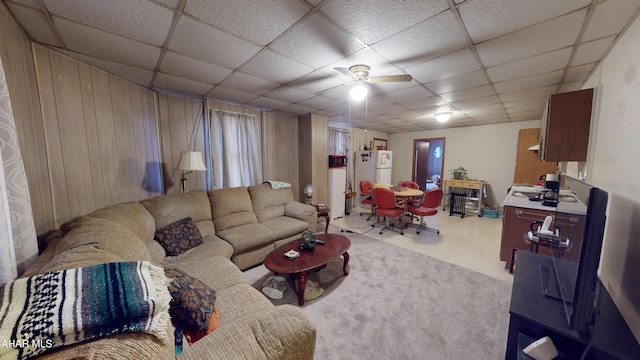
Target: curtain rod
{"type": "Point", "coordinates": [233, 112]}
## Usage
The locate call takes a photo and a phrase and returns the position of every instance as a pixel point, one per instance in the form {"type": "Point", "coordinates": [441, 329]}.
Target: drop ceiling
{"type": "Point", "coordinates": [488, 61]}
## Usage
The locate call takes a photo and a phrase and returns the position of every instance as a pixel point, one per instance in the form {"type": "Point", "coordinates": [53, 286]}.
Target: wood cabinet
{"type": "Point", "coordinates": [516, 222]}
{"type": "Point", "coordinates": [528, 168]}
{"type": "Point", "coordinates": [564, 131]}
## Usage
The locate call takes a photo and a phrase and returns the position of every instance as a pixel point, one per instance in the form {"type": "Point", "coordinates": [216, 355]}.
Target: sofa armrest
{"type": "Point", "coordinates": [280, 332]}
{"type": "Point", "coordinates": [304, 212]}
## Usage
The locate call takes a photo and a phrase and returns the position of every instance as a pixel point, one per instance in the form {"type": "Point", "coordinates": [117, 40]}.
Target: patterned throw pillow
{"type": "Point", "coordinates": [179, 237]}
{"type": "Point", "coordinates": [192, 302]}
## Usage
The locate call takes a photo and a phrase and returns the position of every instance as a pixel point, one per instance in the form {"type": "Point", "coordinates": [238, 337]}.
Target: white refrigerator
{"type": "Point", "coordinates": [372, 165]}
{"type": "Point", "coordinates": [337, 186]}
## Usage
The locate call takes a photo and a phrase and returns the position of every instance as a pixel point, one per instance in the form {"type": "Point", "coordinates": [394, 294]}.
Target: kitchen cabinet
{"type": "Point", "coordinates": [564, 131]}
{"type": "Point", "coordinates": [528, 168]}
{"type": "Point", "coordinates": [516, 222]}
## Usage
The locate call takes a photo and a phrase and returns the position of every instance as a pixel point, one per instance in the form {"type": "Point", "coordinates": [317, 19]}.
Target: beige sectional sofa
{"type": "Point", "coordinates": [239, 226]}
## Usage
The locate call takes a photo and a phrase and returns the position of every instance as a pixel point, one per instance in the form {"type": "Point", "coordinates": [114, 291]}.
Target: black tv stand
{"type": "Point", "coordinates": [534, 315]}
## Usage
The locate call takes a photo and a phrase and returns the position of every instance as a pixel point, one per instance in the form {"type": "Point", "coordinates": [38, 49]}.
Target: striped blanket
{"type": "Point", "coordinates": [55, 309]}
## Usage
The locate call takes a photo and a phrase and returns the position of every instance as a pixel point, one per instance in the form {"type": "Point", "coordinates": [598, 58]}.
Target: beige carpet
{"type": "Point", "coordinates": [400, 304]}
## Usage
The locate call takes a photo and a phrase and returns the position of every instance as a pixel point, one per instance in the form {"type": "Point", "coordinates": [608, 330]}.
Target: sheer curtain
{"type": "Point", "coordinates": [236, 149]}
{"type": "Point", "coordinates": [18, 242]}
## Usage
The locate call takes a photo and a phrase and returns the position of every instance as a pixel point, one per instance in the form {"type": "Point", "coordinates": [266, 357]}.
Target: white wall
{"type": "Point", "coordinates": [488, 153]}
{"type": "Point", "coordinates": [613, 165]}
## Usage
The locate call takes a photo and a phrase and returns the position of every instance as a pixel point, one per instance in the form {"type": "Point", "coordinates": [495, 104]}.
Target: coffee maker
{"type": "Point", "coordinates": [551, 193]}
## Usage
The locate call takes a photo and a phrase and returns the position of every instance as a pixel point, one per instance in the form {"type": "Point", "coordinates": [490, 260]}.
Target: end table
{"type": "Point", "coordinates": [323, 211]}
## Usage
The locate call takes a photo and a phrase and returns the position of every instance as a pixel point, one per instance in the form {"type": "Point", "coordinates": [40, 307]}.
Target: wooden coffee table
{"type": "Point", "coordinates": [335, 245]}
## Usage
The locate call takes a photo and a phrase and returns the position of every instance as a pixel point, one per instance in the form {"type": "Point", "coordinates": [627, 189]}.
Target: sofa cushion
{"type": "Point", "coordinates": [231, 207]}
{"type": "Point", "coordinates": [215, 271]}
{"type": "Point", "coordinates": [267, 202]}
{"type": "Point", "coordinates": [178, 237]}
{"type": "Point", "coordinates": [285, 226]}
{"type": "Point", "coordinates": [167, 209]}
{"type": "Point", "coordinates": [131, 215]}
{"type": "Point", "coordinates": [211, 246]}
{"type": "Point", "coordinates": [104, 235]}
{"type": "Point", "coordinates": [247, 237]}
{"type": "Point", "coordinates": [192, 302]}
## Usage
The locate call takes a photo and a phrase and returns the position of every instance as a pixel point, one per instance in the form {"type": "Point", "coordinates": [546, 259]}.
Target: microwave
{"type": "Point", "coordinates": [337, 161]}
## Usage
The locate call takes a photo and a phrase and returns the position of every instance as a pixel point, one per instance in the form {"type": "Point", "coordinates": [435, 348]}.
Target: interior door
{"type": "Point", "coordinates": [428, 161]}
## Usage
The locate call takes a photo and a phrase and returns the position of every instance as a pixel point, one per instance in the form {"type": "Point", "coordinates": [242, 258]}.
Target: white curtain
{"type": "Point", "coordinates": [236, 149]}
{"type": "Point", "coordinates": [18, 242]}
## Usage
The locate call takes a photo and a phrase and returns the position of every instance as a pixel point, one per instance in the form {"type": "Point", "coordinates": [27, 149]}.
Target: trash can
{"type": "Point", "coordinates": [348, 202]}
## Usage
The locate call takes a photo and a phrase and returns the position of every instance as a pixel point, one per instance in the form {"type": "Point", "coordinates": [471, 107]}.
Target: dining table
{"type": "Point", "coordinates": [406, 194]}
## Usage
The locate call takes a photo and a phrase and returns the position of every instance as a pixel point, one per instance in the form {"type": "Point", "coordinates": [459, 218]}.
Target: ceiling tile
{"type": "Point", "coordinates": [249, 84]}
{"type": "Point", "coordinates": [527, 94]}
{"type": "Point", "coordinates": [89, 41]}
{"type": "Point", "coordinates": [488, 19]}
{"type": "Point", "coordinates": [374, 23]}
{"type": "Point", "coordinates": [316, 81]}
{"type": "Point", "coordinates": [467, 94]}
{"type": "Point", "coordinates": [140, 20]}
{"type": "Point", "coordinates": [609, 18]}
{"type": "Point", "coordinates": [538, 39]}
{"type": "Point", "coordinates": [267, 103]}
{"type": "Point", "coordinates": [135, 74]}
{"type": "Point", "coordinates": [229, 95]}
{"type": "Point", "coordinates": [36, 24]}
{"type": "Point", "coordinates": [579, 73]}
{"type": "Point", "coordinates": [183, 66]}
{"type": "Point", "coordinates": [481, 101]}
{"type": "Point", "coordinates": [286, 93]}
{"type": "Point", "coordinates": [458, 82]}
{"type": "Point", "coordinates": [416, 92]}
{"type": "Point", "coordinates": [251, 20]}
{"type": "Point", "coordinates": [275, 67]}
{"type": "Point", "coordinates": [205, 43]}
{"type": "Point", "coordinates": [530, 82]}
{"type": "Point", "coordinates": [181, 85]}
{"type": "Point", "coordinates": [439, 35]}
{"type": "Point", "coordinates": [534, 65]}
{"type": "Point", "coordinates": [456, 63]}
{"type": "Point", "coordinates": [592, 51]}
{"type": "Point", "coordinates": [316, 42]}
{"type": "Point", "coordinates": [424, 103]}
{"type": "Point", "coordinates": [297, 109]}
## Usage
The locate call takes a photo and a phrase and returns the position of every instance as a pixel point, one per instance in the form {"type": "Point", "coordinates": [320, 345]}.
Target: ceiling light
{"type": "Point", "coordinates": [443, 116]}
{"type": "Point", "coordinates": [358, 91]}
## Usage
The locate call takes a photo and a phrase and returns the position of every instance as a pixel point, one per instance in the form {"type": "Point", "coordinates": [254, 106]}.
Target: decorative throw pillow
{"type": "Point", "coordinates": [179, 237]}
{"type": "Point", "coordinates": [192, 305]}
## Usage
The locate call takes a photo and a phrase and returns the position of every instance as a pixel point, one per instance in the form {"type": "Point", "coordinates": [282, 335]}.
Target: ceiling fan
{"type": "Point", "coordinates": [359, 74]}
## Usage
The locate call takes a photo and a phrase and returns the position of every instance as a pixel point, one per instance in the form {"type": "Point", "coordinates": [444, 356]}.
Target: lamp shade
{"type": "Point", "coordinates": [191, 160]}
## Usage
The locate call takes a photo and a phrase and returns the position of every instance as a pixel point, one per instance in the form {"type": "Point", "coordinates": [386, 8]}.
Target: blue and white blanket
{"type": "Point", "coordinates": [55, 309]}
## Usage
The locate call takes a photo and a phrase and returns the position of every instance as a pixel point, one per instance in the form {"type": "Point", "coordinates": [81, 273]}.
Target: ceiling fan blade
{"type": "Point", "coordinates": [391, 78]}
{"type": "Point", "coordinates": [331, 89]}
{"type": "Point", "coordinates": [347, 72]}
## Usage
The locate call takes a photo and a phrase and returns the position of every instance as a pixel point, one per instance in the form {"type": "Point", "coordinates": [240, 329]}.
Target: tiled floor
{"type": "Point", "coordinates": [472, 242]}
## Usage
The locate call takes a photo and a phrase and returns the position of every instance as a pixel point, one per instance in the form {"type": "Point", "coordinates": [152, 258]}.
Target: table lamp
{"type": "Point", "coordinates": [189, 161]}
{"type": "Point", "coordinates": [308, 191]}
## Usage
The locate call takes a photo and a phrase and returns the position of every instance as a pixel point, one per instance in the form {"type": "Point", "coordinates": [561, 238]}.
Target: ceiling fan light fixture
{"type": "Point", "coordinates": [358, 91]}
{"type": "Point", "coordinates": [443, 116]}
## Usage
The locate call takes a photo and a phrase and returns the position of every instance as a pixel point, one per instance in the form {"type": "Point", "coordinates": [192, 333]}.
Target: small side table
{"type": "Point", "coordinates": [324, 212]}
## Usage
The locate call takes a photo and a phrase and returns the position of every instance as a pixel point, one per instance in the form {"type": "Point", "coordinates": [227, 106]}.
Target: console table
{"type": "Point", "coordinates": [468, 185]}
{"type": "Point", "coordinates": [534, 315]}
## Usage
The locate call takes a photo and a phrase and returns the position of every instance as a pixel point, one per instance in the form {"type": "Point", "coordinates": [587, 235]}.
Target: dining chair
{"type": "Point", "coordinates": [366, 190]}
{"type": "Point", "coordinates": [430, 201]}
{"type": "Point", "coordinates": [384, 202]}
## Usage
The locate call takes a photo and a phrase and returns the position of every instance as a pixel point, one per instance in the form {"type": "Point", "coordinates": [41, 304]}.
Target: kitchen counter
{"type": "Point", "coordinates": [568, 202]}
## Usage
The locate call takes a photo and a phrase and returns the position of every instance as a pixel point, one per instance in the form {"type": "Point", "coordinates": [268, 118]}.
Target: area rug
{"type": "Point", "coordinates": [399, 304]}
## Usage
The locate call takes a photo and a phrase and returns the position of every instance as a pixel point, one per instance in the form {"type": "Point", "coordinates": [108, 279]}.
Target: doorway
{"type": "Point", "coordinates": [428, 162]}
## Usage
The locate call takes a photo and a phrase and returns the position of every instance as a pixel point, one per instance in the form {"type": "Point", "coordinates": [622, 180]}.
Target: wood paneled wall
{"type": "Point", "coordinates": [101, 136]}
{"type": "Point", "coordinates": [18, 64]}
{"type": "Point", "coordinates": [313, 146]}
{"type": "Point", "coordinates": [181, 129]}
{"type": "Point", "coordinates": [281, 149]}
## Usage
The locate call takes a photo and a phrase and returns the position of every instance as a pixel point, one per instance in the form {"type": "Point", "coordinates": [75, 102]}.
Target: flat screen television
{"type": "Point", "coordinates": [577, 286]}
